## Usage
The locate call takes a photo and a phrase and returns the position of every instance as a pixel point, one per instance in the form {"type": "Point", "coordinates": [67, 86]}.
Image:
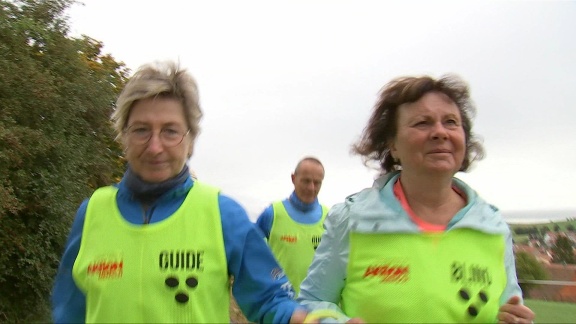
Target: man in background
{"type": "Point", "coordinates": [293, 226]}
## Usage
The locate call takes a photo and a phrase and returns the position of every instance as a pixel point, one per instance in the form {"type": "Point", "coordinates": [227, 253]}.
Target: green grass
{"type": "Point", "coordinates": [552, 312]}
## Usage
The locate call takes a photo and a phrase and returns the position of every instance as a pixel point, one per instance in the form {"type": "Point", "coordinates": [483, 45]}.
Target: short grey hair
{"type": "Point", "coordinates": [307, 158]}
{"type": "Point", "coordinates": [165, 79]}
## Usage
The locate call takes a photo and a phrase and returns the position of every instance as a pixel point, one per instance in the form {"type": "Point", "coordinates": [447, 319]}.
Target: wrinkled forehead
{"type": "Point", "coordinates": [430, 103]}
{"type": "Point", "coordinates": [157, 111]}
{"type": "Point", "coordinates": [310, 169]}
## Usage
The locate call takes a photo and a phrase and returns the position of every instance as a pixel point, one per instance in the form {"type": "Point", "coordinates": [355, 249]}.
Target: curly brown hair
{"type": "Point", "coordinates": [382, 125]}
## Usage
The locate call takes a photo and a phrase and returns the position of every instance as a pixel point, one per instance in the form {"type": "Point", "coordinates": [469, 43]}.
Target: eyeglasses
{"type": "Point", "coordinates": [169, 136]}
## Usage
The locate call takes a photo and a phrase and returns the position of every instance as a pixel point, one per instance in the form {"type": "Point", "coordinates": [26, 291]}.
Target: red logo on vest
{"type": "Point", "coordinates": [389, 272]}
{"type": "Point", "coordinates": [106, 269]}
{"type": "Point", "coordinates": [289, 238]}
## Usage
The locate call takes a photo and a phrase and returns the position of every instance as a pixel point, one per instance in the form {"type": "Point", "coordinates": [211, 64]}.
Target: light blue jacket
{"type": "Point", "coordinates": [376, 210]}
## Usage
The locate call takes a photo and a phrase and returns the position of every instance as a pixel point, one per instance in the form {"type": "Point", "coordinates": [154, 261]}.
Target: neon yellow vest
{"type": "Point", "coordinates": [173, 271]}
{"type": "Point", "coordinates": [455, 276]}
{"type": "Point", "coordinates": [294, 244]}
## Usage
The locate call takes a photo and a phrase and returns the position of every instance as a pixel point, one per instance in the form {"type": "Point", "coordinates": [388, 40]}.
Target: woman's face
{"type": "Point", "coordinates": [430, 137]}
{"type": "Point", "coordinates": [163, 156]}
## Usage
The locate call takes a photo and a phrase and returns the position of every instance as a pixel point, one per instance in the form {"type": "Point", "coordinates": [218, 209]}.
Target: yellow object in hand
{"type": "Point", "coordinates": [315, 316]}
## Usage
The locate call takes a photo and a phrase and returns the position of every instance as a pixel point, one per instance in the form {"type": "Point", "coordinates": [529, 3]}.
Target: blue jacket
{"type": "Point", "coordinates": [376, 209]}
{"type": "Point", "coordinates": [297, 210]}
{"type": "Point", "coordinates": [261, 296]}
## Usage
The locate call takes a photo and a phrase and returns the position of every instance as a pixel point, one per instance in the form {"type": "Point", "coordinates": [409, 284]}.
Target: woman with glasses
{"type": "Point", "coordinates": [160, 246]}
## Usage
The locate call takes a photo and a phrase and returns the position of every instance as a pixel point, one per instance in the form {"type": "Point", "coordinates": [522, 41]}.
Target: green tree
{"type": "Point", "coordinates": [56, 144]}
{"type": "Point", "coordinates": [528, 268]}
{"type": "Point", "coordinates": [562, 251]}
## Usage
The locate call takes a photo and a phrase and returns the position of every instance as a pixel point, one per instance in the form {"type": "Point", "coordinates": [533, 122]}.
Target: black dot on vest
{"type": "Point", "coordinates": [171, 282]}
{"type": "Point", "coordinates": [472, 311]}
{"type": "Point", "coordinates": [483, 296]}
{"type": "Point", "coordinates": [182, 298]}
{"type": "Point", "coordinates": [191, 282]}
{"type": "Point", "coordinates": [464, 294]}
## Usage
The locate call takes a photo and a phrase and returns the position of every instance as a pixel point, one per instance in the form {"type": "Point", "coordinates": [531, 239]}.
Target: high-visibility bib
{"type": "Point", "coordinates": [173, 271]}
{"type": "Point", "coordinates": [455, 276]}
{"type": "Point", "coordinates": [294, 244]}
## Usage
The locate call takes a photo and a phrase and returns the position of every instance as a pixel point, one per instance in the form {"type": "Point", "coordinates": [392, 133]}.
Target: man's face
{"type": "Point", "coordinates": [307, 181]}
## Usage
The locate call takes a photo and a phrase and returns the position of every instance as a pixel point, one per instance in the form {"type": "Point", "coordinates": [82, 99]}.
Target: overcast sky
{"type": "Point", "coordinates": [282, 80]}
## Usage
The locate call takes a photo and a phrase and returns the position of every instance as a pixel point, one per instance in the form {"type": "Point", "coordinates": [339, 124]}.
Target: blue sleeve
{"type": "Point", "coordinates": [260, 287]}
{"type": "Point", "coordinates": [68, 302]}
{"type": "Point", "coordinates": [264, 221]}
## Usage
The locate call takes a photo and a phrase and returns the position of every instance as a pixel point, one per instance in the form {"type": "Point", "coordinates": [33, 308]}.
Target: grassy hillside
{"type": "Point", "coordinates": [552, 312]}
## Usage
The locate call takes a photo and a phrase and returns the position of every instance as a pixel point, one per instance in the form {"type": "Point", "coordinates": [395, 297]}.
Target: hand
{"type": "Point", "coordinates": [514, 312]}
{"type": "Point", "coordinates": [298, 316]}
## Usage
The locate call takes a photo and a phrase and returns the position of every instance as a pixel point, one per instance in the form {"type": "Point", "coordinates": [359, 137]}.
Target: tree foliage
{"type": "Point", "coordinates": [556, 228]}
{"type": "Point", "coordinates": [56, 143]}
{"type": "Point", "coordinates": [528, 268]}
{"type": "Point", "coordinates": [562, 251]}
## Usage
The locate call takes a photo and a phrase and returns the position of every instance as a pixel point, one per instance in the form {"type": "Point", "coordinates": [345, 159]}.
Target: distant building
{"type": "Point", "coordinates": [541, 254]}
{"type": "Point", "coordinates": [550, 237]}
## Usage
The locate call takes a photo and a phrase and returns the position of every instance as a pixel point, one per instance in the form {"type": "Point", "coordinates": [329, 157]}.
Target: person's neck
{"type": "Point", "coordinates": [431, 197]}
{"type": "Point", "coordinates": [299, 204]}
{"type": "Point", "coordinates": [147, 192]}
